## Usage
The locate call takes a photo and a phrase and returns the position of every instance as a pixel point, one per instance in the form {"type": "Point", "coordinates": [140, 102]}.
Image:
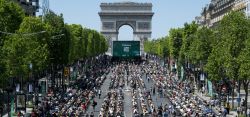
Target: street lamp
{"type": "Point", "coordinates": [9, 90]}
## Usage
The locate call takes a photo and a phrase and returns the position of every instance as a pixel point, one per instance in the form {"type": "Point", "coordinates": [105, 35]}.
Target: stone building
{"type": "Point", "coordinates": [212, 13]}
{"type": "Point", "coordinates": [30, 6]}
{"type": "Point", "coordinates": [242, 5]}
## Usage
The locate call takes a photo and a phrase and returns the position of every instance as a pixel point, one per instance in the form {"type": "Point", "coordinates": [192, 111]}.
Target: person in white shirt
{"type": "Point", "coordinates": [248, 112]}
{"type": "Point", "coordinates": [99, 93]}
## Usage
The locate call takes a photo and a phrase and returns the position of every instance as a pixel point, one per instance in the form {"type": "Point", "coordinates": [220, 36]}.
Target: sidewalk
{"type": "Point", "coordinates": [216, 108]}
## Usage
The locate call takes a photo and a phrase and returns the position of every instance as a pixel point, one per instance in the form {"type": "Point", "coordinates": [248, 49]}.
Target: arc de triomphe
{"type": "Point", "coordinates": [137, 15]}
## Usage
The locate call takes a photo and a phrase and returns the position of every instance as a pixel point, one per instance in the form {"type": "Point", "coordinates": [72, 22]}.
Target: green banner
{"type": "Point", "coordinates": [12, 111]}
{"type": "Point", "coordinates": [43, 84]}
{"type": "Point", "coordinates": [75, 75]}
{"type": "Point", "coordinates": [126, 49]}
{"type": "Point", "coordinates": [210, 88]}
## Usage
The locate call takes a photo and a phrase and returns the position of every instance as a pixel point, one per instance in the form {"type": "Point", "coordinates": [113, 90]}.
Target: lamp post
{"type": "Point", "coordinates": [31, 94]}
{"type": "Point", "coordinates": [9, 90]}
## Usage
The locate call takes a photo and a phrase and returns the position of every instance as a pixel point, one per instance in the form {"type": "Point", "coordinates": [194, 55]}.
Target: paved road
{"type": "Point", "coordinates": [156, 98]}
{"type": "Point", "coordinates": [104, 88]}
{"type": "Point", "coordinates": [127, 101]}
{"type": "Point", "coordinates": [127, 97]}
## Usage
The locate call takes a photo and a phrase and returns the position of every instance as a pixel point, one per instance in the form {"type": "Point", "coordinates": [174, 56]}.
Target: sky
{"type": "Point", "coordinates": [167, 14]}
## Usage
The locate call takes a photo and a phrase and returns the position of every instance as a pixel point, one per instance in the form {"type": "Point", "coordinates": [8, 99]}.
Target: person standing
{"type": "Point", "coordinates": [84, 107]}
{"type": "Point", "coordinates": [99, 93]}
{"type": "Point", "coordinates": [94, 104]}
{"type": "Point", "coordinates": [153, 90]}
{"type": "Point", "coordinates": [248, 112]}
{"type": "Point", "coordinates": [166, 113]}
{"type": "Point", "coordinates": [202, 90]}
{"type": "Point", "coordinates": [238, 110]}
{"type": "Point", "coordinates": [1, 110]}
{"type": "Point", "coordinates": [92, 114]}
{"type": "Point", "coordinates": [225, 112]}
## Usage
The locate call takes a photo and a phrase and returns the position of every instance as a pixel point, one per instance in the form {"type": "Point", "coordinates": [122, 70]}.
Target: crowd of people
{"type": "Point", "coordinates": [81, 95]}
{"type": "Point", "coordinates": [183, 102]}
{"type": "Point", "coordinates": [113, 102]}
{"type": "Point", "coordinates": [188, 104]}
{"type": "Point", "coordinates": [78, 97]}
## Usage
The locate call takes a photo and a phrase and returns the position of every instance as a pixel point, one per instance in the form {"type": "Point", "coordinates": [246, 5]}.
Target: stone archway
{"type": "Point", "coordinates": [136, 15]}
{"type": "Point", "coordinates": [125, 32]}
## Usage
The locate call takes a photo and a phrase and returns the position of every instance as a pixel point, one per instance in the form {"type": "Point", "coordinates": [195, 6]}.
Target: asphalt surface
{"type": "Point", "coordinates": [157, 100]}
{"type": "Point", "coordinates": [104, 88]}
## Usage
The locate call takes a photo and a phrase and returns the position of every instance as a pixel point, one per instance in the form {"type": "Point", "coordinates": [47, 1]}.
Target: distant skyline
{"type": "Point", "coordinates": [168, 14]}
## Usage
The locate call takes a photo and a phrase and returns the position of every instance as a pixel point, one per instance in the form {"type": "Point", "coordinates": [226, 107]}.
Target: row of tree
{"type": "Point", "coordinates": [222, 52]}
{"type": "Point", "coordinates": [33, 44]}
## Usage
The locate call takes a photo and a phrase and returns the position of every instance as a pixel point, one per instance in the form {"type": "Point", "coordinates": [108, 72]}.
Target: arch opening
{"type": "Point", "coordinates": [125, 33]}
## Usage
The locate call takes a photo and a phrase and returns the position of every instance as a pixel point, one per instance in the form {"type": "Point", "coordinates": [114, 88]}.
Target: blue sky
{"type": "Point", "coordinates": [168, 14]}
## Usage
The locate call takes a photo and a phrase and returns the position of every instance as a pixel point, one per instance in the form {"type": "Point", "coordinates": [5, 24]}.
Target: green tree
{"type": "Point", "coordinates": [244, 66]}
{"type": "Point", "coordinates": [20, 50]}
{"type": "Point", "coordinates": [189, 31]}
{"type": "Point", "coordinates": [11, 16]}
{"type": "Point", "coordinates": [58, 42]}
{"type": "Point", "coordinates": [85, 33]}
{"type": "Point", "coordinates": [215, 64]}
{"type": "Point", "coordinates": [175, 42]}
{"type": "Point", "coordinates": [201, 46]}
{"type": "Point", "coordinates": [234, 30]}
{"type": "Point", "coordinates": [147, 46]}
{"type": "Point", "coordinates": [103, 44]}
{"type": "Point", "coordinates": [76, 45]}
{"type": "Point", "coordinates": [90, 48]}
{"type": "Point", "coordinates": [96, 39]}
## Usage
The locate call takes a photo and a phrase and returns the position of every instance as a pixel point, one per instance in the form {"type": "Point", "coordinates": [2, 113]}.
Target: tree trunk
{"type": "Point", "coordinates": [220, 94]}
{"type": "Point", "coordinates": [233, 97]}
{"type": "Point", "coordinates": [63, 77]}
{"type": "Point", "coordinates": [245, 84]}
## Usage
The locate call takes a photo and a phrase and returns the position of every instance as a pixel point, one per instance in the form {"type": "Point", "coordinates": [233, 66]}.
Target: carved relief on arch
{"type": "Point", "coordinates": [130, 23]}
{"type": "Point", "coordinates": [144, 25]}
{"type": "Point", "coordinates": [108, 25]}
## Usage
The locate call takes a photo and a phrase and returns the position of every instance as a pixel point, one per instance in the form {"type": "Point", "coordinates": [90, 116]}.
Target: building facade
{"type": "Point", "coordinates": [30, 6]}
{"type": "Point", "coordinates": [212, 13]}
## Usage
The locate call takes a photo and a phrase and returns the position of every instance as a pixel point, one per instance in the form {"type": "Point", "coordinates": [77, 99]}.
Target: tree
{"type": "Point", "coordinates": [90, 48]}
{"type": "Point", "coordinates": [58, 42]}
{"type": "Point", "coordinates": [85, 33]}
{"type": "Point", "coordinates": [11, 16]}
{"type": "Point", "coordinates": [76, 44]}
{"type": "Point", "coordinates": [215, 64]}
{"type": "Point", "coordinates": [103, 44]}
{"type": "Point", "coordinates": [96, 39]}
{"type": "Point", "coordinates": [189, 31]}
{"type": "Point", "coordinates": [175, 42]}
{"type": "Point", "coordinates": [201, 46]}
{"type": "Point", "coordinates": [234, 30]}
{"type": "Point", "coordinates": [148, 46]}
{"type": "Point", "coordinates": [244, 66]}
{"type": "Point", "coordinates": [21, 50]}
